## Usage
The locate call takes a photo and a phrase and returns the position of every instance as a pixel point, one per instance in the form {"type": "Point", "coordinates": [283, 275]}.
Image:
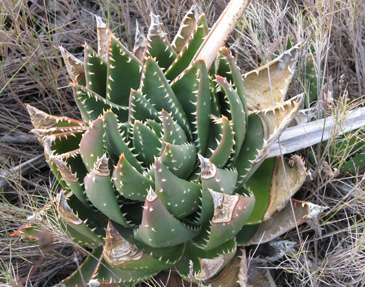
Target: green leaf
{"type": "Point", "coordinates": [129, 182]}
{"type": "Point", "coordinates": [99, 190]}
{"type": "Point", "coordinates": [117, 142]}
{"type": "Point", "coordinates": [91, 144]}
{"type": "Point", "coordinates": [246, 233]}
{"type": "Point", "coordinates": [224, 149]}
{"type": "Point", "coordinates": [140, 108]}
{"type": "Point", "coordinates": [192, 88]}
{"type": "Point", "coordinates": [206, 208]}
{"type": "Point", "coordinates": [62, 143]}
{"type": "Point", "coordinates": [86, 270]}
{"type": "Point", "coordinates": [146, 143]}
{"type": "Point", "coordinates": [180, 197]}
{"type": "Point", "coordinates": [158, 46]}
{"type": "Point", "coordinates": [236, 114]}
{"type": "Point", "coordinates": [77, 228]}
{"type": "Point", "coordinates": [158, 91]}
{"type": "Point", "coordinates": [92, 106]}
{"type": "Point", "coordinates": [159, 228]}
{"type": "Point", "coordinates": [46, 124]}
{"type": "Point", "coordinates": [124, 73]}
{"type": "Point", "coordinates": [172, 131]}
{"type": "Point", "coordinates": [233, 75]}
{"type": "Point", "coordinates": [254, 141]}
{"type": "Point", "coordinates": [107, 274]}
{"type": "Point", "coordinates": [122, 254]}
{"type": "Point", "coordinates": [205, 264]}
{"type": "Point", "coordinates": [188, 52]}
{"type": "Point", "coordinates": [66, 167]}
{"type": "Point", "coordinates": [231, 212]}
{"type": "Point", "coordinates": [259, 184]}
{"type": "Point", "coordinates": [179, 159]}
{"type": "Point", "coordinates": [220, 180]}
{"type": "Point", "coordinates": [95, 72]}
{"type": "Point", "coordinates": [156, 127]}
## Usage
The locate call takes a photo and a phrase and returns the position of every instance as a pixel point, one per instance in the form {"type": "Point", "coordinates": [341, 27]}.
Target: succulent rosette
{"type": "Point", "coordinates": [168, 167]}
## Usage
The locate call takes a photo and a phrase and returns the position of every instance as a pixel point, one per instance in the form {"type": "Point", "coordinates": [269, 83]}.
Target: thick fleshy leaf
{"type": "Point", "coordinates": [91, 144]}
{"type": "Point", "coordinates": [156, 127]}
{"type": "Point", "coordinates": [106, 275]}
{"type": "Point", "coordinates": [124, 68]}
{"type": "Point", "coordinates": [206, 208]}
{"type": "Point", "coordinates": [146, 143]}
{"type": "Point", "coordinates": [215, 105]}
{"type": "Point", "coordinates": [95, 72]}
{"type": "Point", "coordinates": [179, 159]}
{"type": "Point", "coordinates": [224, 149]}
{"type": "Point", "coordinates": [158, 46]}
{"type": "Point", "coordinates": [129, 182]}
{"type": "Point", "coordinates": [172, 132]}
{"type": "Point", "coordinates": [140, 108]}
{"type": "Point", "coordinates": [91, 105]}
{"type": "Point", "coordinates": [66, 167]}
{"type": "Point", "coordinates": [259, 184]}
{"type": "Point", "coordinates": [100, 192]}
{"type": "Point", "coordinates": [217, 179]}
{"type": "Point", "coordinates": [246, 233]}
{"type": "Point", "coordinates": [53, 124]}
{"type": "Point", "coordinates": [62, 143]}
{"type": "Point", "coordinates": [159, 228]}
{"type": "Point", "coordinates": [263, 135]}
{"type": "Point", "coordinates": [180, 197]}
{"type": "Point", "coordinates": [215, 134]}
{"type": "Point", "coordinates": [85, 271]}
{"type": "Point", "coordinates": [167, 255]}
{"type": "Point", "coordinates": [74, 66]}
{"type": "Point", "coordinates": [236, 114]}
{"type": "Point", "coordinates": [230, 214]}
{"type": "Point", "coordinates": [266, 86]}
{"type": "Point", "coordinates": [192, 90]}
{"type": "Point", "coordinates": [90, 215]}
{"type": "Point", "coordinates": [233, 75]}
{"type": "Point", "coordinates": [120, 253]}
{"type": "Point", "coordinates": [190, 48]}
{"type": "Point", "coordinates": [250, 149]}
{"type": "Point", "coordinates": [275, 121]}
{"type": "Point", "coordinates": [116, 141]}
{"type": "Point", "coordinates": [83, 235]}
{"type": "Point", "coordinates": [200, 265]}
{"type": "Point", "coordinates": [158, 91]}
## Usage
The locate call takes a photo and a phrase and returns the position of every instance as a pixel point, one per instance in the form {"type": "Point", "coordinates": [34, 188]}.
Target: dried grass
{"type": "Point", "coordinates": [31, 71]}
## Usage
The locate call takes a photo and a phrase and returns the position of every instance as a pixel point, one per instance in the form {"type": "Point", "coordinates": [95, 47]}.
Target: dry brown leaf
{"type": "Point", "coordinates": [287, 175]}
{"type": "Point", "coordinates": [267, 85]}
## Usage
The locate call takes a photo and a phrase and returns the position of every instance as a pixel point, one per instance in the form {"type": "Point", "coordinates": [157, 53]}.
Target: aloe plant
{"type": "Point", "coordinates": [168, 167]}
